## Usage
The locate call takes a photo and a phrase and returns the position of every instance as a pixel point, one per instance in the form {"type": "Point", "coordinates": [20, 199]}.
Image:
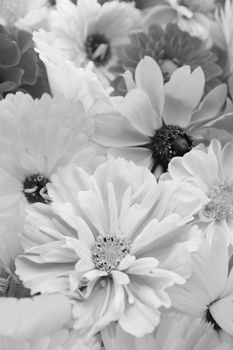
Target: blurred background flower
{"type": "Point", "coordinates": [20, 66]}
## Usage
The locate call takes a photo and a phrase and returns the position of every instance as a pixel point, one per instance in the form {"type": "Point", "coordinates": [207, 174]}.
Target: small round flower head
{"type": "Point", "coordinates": [36, 138]}
{"type": "Point", "coordinates": [88, 32]}
{"type": "Point", "coordinates": [113, 241]}
{"type": "Point", "coordinates": [208, 292]}
{"type": "Point", "coordinates": [171, 48]}
{"type": "Point", "coordinates": [20, 67]}
{"type": "Point", "coordinates": [210, 170]}
{"type": "Point", "coordinates": [175, 332]}
{"type": "Point", "coordinates": [157, 122]}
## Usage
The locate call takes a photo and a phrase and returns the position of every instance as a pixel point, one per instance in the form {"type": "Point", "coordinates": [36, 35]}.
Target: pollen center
{"type": "Point", "coordinates": [34, 189]}
{"type": "Point", "coordinates": [220, 206]}
{"type": "Point", "coordinates": [168, 142]}
{"type": "Point", "coordinates": [108, 252]}
{"type": "Point", "coordinates": [98, 49]}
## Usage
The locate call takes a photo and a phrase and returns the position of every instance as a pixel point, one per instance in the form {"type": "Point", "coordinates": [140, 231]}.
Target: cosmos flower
{"type": "Point", "coordinates": [112, 242]}
{"type": "Point", "coordinates": [157, 122]}
{"type": "Point", "coordinates": [171, 48]}
{"type": "Point", "coordinates": [208, 292]}
{"type": "Point", "coordinates": [210, 170]}
{"type": "Point", "coordinates": [175, 332]}
{"type": "Point", "coordinates": [88, 32]}
{"type": "Point", "coordinates": [194, 16]}
{"type": "Point", "coordinates": [36, 138]}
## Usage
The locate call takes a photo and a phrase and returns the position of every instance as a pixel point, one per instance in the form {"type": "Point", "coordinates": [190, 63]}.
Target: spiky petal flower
{"type": "Point", "coordinates": [89, 32]}
{"type": "Point", "coordinates": [112, 242]}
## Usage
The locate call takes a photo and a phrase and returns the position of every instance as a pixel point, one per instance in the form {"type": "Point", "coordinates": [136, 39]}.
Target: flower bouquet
{"type": "Point", "coordinates": [116, 175]}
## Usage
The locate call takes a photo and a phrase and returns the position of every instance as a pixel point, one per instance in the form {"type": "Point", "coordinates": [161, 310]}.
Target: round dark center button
{"type": "Point", "coordinates": [34, 189]}
{"type": "Point", "coordinates": [98, 49]}
{"type": "Point", "coordinates": [169, 141]}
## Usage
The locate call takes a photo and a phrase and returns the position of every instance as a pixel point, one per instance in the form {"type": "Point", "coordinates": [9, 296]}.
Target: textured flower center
{"type": "Point", "coordinates": [108, 252]}
{"type": "Point", "coordinates": [11, 287]}
{"type": "Point", "coordinates": [168, 142]}
{"type": "Point", "coordinates": [168, 67]}
{"type": "Point", "coordinates": [220, 206]}
{"type": "Point", "coordinates": [209, 318]}
{"type": "Point", "coordinates": [202, 6]}
{"type": "Point", "coordinates": [98, 49]}
{"type": "Point", "coordinates": [34, 189]}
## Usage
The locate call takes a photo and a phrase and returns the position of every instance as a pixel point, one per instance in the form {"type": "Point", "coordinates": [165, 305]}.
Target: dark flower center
{"type": "Point", "coordinates": [169, 141]}
{"type": "Point", "coordinates": [98, 49]}
{"type": "Point", "coordinates": [209, 318]}
{"type": "Point", "coordinates": [52, 2]}
{"type": "Point", "coordinates": [34, 189]}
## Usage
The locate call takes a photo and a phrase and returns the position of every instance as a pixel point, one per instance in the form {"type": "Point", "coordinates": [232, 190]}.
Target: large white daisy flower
{"type": "Point", "coordinates": [175, 332]}
{"type": "Point", "coordinates": [208, 293]}
{"type": "Point", "coordinates": [89, 32]}
{"type": "Point", "coordinates": [158, 122]}
{"type": "Point", "coordinates": [37, 137]}
{"type": "Point", "coordinates": [114, 241]}
{"type": "Point", "coordinates": [210, 170]}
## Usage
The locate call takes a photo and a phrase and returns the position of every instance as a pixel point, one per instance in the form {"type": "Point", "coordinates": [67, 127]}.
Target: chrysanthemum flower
{"type": "Point", "coordinates": [157, 122]}
{"type": "Point", "coordinates": [208, 293]}
{"type": "Point", "coordinates": [114, 241]}
{"type": "Point", "coordinates": [171, 48]}
{"type": "Point", "coordinates": [88, 32]}
{"type": "Point", "coordinates": [36, 138]}
{"type": "Point", "coordinates": [19, 64]}
{"type": "Point", "coordinates": [211, 172]}
{"type": "Point", "coordinates": [175, 332]}
{"type": "Point", "coordinates": [194, 16]}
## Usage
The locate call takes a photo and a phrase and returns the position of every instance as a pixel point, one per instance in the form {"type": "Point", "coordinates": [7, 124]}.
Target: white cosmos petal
{"type": "Point", "coordinates": [137, 108]}
{"type": "Point", "coordinates": [222, 312]}
{"type": "Point", "coordinates": [149, 78]}
{"type": "Point", "coordinates": [141, 156]}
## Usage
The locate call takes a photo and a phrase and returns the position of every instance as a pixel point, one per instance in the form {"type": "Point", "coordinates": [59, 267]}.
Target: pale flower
{"type": "Point", "coordinates": [210, 170]}
{"type": "Point", "coordinates": [37, 137]}
{"type": "Point", "coordinates": [88, 32]}
{"type": "Point", "coordinates": [175, 332]}
{"type": "Point", "coordinates": [113, 241]}
{"type": "Point", "coordinates": [208, 293]}
{"type": "Point", "coordinates": [156, 122]}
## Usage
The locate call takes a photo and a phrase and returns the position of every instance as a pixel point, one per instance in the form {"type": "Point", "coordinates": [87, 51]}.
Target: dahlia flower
{"type": "Point", "coordinates": [210, 170]}
{"type": "Point", "coordinates": [19, 64]}
{"type": "Point", "coordinates": [36, 138]}
{"type": "Point", "coordinates": [113, 241]}
{"type": "Point", "coordinates": [157, 122]}
{"type": "Point", "coordinates": [88, 32]}
{"type": "Point", "coordinates": [175, 332]}
{"type": "Point", "coordinates": [208, 292]}
{"type": "Point", "coordinates": [171, 48]}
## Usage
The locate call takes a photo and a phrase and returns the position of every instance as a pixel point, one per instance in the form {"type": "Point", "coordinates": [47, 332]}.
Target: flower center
{"type": "Point", "coordinates": [202, 6]}
{"type": "Point", "coordinates": [52, 2]}
{"type": "Point", "coordinates": [209, 318]}
{"type": "Point", "coordinates": [11, 287]}
{"type": "Point", "coordinates": [168, 67]}
{"type": "Point", "coordinates": [98, 49]}
{"type": "Point", "coordinates": [34, 189]}
{"type": "Point", "coordinates": [108, 252]}
{"type": "Point", "coordinates": [220, 206]}
{"type": "Point", "coordinates": [169, 141]}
